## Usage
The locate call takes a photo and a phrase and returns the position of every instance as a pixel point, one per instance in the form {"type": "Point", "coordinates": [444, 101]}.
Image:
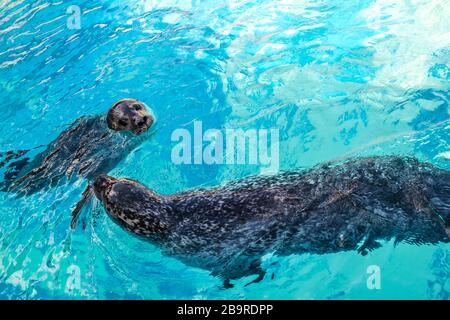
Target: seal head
{"type": "Point", "coordinates": [130, 115]}
{"type": "Point", "coordinates": [134, 207]}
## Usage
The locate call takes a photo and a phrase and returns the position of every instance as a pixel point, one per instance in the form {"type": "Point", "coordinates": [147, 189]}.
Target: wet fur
{"type": "Point", "coordinates": [85, 149]}
{"type": "Point", "coordinates": [335, 207]}
{"type": "Point", "coordinates": [91, 145]}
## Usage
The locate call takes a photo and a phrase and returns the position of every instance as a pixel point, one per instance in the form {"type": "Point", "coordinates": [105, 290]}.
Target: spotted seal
{"type": "Point", "coordinates": [351, 205]}
{"type": "Point", "coordinates": [91, 145]}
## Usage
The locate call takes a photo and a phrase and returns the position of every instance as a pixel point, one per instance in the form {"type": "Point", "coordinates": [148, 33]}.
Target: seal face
{"type": "Point", "coordinates": [90, 146]}
{"type": "Point", "coordinates": [129, 115]}
{"type": "Point", "coordinates": [330, 208]}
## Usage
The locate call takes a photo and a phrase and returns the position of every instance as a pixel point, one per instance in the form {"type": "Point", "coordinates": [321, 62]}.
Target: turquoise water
{"type": "Point", "coordinates": [337, 78]}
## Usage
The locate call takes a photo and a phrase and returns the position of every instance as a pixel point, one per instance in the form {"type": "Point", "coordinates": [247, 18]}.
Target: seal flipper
{"type": "Point", "coordinates": [14, 168]}
{"type": "Point", "coordinates": [261, 274]}
{"type": "Point", "coordinates": [87, 194]}
{"type": "Point", "coordinates": [12, 173]}
{"type": "Point", "coordinates": [369, 245]}
{"type": "Point", "coordinates": [255, 268]}
{"type": "Point", "coordinates": [10, 155]}
{"type": "Point", "coordinates": [227, 284]}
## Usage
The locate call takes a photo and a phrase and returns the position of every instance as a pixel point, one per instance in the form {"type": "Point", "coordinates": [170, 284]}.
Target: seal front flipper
{"type": "Point", "coordinates": [261, 274]}
{"type": "Point", "coordinates": [369, 244]}
{"type": "Point", "coordinates": [227, 284]}
{"type": "Point", "coordinates": [255, 268]}
{"type": "Point", "coordinates": [244, 266]}
{"type": "Point", "coordinates": [87, 194]}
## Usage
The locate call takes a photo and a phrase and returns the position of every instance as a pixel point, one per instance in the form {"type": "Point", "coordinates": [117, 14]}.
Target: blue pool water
{"type": "Point", "coordinates": [337, 78]}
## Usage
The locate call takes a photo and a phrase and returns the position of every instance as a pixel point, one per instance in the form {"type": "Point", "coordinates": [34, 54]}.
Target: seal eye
{"type": "Point", "coordinates": [123, 122]}
{"type": "Point", "coordinates": [137, 107]}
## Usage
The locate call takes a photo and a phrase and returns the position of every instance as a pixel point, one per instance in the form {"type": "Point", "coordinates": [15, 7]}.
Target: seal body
{"type": "Point", "coordinates": [90, 146]}
{"type": "Point", "coordinates": [330, 208]}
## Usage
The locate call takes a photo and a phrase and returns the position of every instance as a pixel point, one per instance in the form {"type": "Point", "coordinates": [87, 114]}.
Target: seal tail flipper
{"type": "Point", "coordinates": [87, 194]}
{"type": "Point", "coordinates": [14, 168]}
{"type": "Point", "coordinates": [10, 155]}
{"type": "Point", "coordinates": [7, 156]}
{"type": "Point", "coordinates": [11, 173]}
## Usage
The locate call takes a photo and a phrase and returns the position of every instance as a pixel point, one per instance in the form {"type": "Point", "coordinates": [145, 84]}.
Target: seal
{"type": "Point", "coordinates": [333, 207]}
{"type": "Point", "coordinates": [91, 145]}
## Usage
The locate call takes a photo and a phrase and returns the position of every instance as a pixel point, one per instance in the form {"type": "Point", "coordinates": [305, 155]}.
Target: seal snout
{"type": "Point", "coordinates": [143, 122]}
{"type": "Point", "coordinates": [142, 118]}
{"type": "Point", "coordinates": [101, 184]}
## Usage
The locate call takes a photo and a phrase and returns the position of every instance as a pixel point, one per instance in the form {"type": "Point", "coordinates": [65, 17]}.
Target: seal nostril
{"type": "Point", "coordinates": [143, 121]}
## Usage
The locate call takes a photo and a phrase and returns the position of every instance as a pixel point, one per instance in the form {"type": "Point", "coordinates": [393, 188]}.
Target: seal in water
{"type": "Point", "coordinates": [91, 145]}
{"type": "Point", "coordinates": [330, 208]}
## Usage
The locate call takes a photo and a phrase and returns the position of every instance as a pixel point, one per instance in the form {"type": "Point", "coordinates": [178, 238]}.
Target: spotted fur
{"type": "Point", "coordinates": [333, 207]}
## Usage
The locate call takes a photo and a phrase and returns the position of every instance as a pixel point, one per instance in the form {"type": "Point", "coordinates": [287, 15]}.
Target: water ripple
{"type": "Point", "coordinates": [336, 78]}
